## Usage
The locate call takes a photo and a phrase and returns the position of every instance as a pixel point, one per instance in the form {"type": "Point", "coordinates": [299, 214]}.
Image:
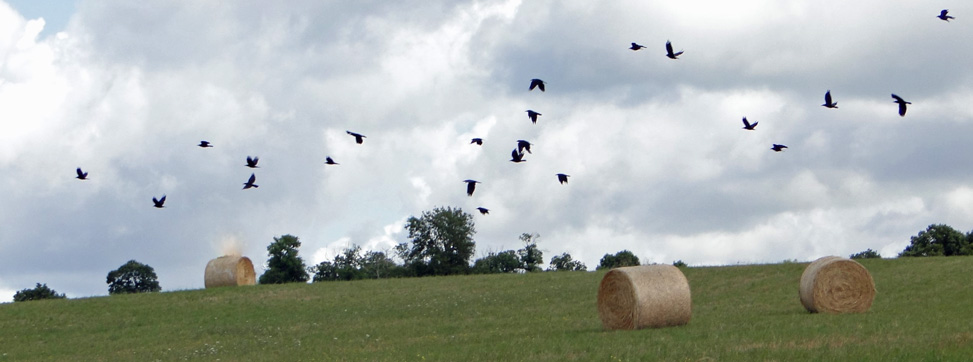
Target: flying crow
{"type": "Point", "coordinates": [748, 126]}
{"type": "Point", "coordinates": [158, 203]}
{"type": "Point", "coordinates": [533, 115]}
{"type": "Point", "coordinates": [470, 186]}
{"type": "Point", "coordinates": [252, 162]}
{"type": "Point", "coordinates": [901, 103]}
{"type": "Point", "coordinates": [249, 183]}
{"type": "Point", "coordinates": [478, 141]}
{"type": "Point", "coordinates": [204, 144]}
{"type": "Point", "coordinates": [562, 178]}
{"type": "Point", "coordinates": [523, 145]}
{"type": "Point", "coordinates": [81, 175]}
{"type": "Point", "coordinates": [778, 148]}
{"type": "Point", "coordinates": [358, 137]}
{"type": "Point", "coordinates": [669, 52]}
{"type": "Point", "coordinates": [636, 46]}
{"type": "Point", "coordinates": [483, 210]}
{"type": "Point", "coordinates": [329, 161]}
{"type": "Point", "coordinates": [943, 16]}
{"type": "Point", "coordinates": [517, 157]}
{"type": "Point", "coordinates": [827, 100]}
{"type": "Point", "coordinates": [536, 83]}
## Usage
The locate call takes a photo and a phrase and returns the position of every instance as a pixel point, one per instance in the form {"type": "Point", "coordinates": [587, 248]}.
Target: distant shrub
{"type": "Point", "coordinates": [620, 259]}
{"type": "Point", "coordinates": [41, 291]}
{"type": "Point", "coordinates": [867, 254]}
{"type": "Point", "coordinates": [679, 264]}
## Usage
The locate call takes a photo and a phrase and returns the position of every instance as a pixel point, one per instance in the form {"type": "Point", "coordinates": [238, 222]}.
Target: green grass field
{"type": "Point", "coordinates": [923, 311]}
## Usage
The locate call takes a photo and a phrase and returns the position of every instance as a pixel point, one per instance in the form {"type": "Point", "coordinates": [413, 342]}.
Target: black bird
{"type": "Point", "coordinates": [636, 46]}
{"type": "Point", "coordinates": [517, 157]}
{"type": "Point", "coordinates": [669, 52]}
{"type": "Point", "coordinates": [478, 141]}
{"type": "Point", "coordinates": [358, 137]}
{"type": "Point", "coordinates": [252, 162]}
{"type": "Point", "coordinates": [901, 103]}
{"type": "Point", "coordinates": [82, 175]}
{"type": "Point", "coordinates": [827, 100]}
{"type": "Point", "coordinates": [523, 145]}
{"type": "Point", "coordinates": [562, 178]}
{"type": "Point", "coordinates": [249, 183]}
{"type": "Point", "coordinates": [536, 83]}
{"type": "Point", "coordinates": [483, 210]}
{"type": "Point", "coordinates": [748, 126]}
{"type": "Point", "coordinates": [158, 203]}
{"type": "Point", "coordinates": [533, 115]}
{"type": "Point", "coordinates": [204, 144]}
{"type": "Point", "coordinates": [943, 16]}
{"type": "Point", "coordinates": [329, 161]}
{"type": "Point", "coordinates": [778, 148]}
{"type": "Point", "coordinates": [470, 186]}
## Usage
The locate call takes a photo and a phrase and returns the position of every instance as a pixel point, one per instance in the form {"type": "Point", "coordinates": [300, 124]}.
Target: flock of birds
{"type": "Point", "coordinates": [517, 154]}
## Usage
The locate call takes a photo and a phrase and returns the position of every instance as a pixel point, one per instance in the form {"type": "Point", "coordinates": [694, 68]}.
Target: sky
{"type": "Point", "coordinates": [659, 162]}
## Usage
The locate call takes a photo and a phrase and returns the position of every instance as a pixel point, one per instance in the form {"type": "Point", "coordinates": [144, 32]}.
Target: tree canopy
{"type": "Point", "coordinates": [939, 240]}
{"type": "Point", "coordinates": [564, 262]}
{"type": "Point", "coordinates": [442, 242]}
{"type": "Point", "coordinates": [351, 264]}
{"type": "Point", "coordinates": [133, 277]}
{"type": "Point", "coordinates": [41, 291]}
{"type": "Point", "coordinates": [620, 259]}
{"type": "Point", "coordinates": [284, 265]}
{"type": "Point", "coordinates": [867, 254]}
{"type": "Point", "coordinates": [530, 256]}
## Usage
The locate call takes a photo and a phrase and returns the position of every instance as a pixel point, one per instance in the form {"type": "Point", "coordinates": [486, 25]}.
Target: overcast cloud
{"type": "Point", "coordinates": [658, 161]}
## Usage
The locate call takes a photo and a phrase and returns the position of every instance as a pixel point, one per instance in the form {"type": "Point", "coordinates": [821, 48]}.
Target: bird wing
{"type": "Point", "coordinates": [827, 97]}
{"type": "Point", "coordinates": [745, 123]}
{"type": "Point", "coordinates": [902, 109]}
{"type": "Point", "coordinates": [80, 174]}
{"type": "Point", "coordinates": [252, 179]}
{"type": "Point", "coordinates": [943, 13]}
{"type": "Point", "coordinates": [668, 48]}
{"type": "Point", "coordinates": [540, 85]}
{"type": "Point", "coordinates": [897, 98]}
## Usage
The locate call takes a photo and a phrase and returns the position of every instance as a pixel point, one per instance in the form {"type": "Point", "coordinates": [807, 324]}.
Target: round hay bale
{"type": "Point", "coordinates": [230, 270]}
{"type": "Point", "coordinates": [644, 296]}
{"type": "Point", "coordinates": [834, 285]}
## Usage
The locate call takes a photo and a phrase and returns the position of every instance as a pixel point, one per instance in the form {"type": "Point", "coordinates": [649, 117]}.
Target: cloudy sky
{"type": "Point", "coordinates": [658, 161]}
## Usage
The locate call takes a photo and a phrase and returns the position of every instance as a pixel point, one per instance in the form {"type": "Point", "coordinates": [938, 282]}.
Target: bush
{"type": "Point", "coordinates": [867, 254]}
{"type": "Point", "coordinates": [41, 291]}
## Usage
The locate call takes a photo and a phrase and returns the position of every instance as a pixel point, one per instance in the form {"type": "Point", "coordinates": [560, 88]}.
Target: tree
{"type": "Point", "coordinates": [679, 264]}
{"type": "Point", "coordinates": [284, 265]}
{"type": "Point", "coordinates": [133, 277]}
{"type": "Point", "coordinates": [563, 262]}
{"type": "Point", "coordinates": [41, 291]}
{"type": "Point", "coordinates": [503, 262]}
{"type": "Point", "coordinates": [867, 254]}
{"type": "Point", "coordinates": [620, 259]}
{"type": "Point", "coordinates": [442, 242]}
{"type": "Point", "coordinates": [530, 256]}
{"type": "Point", "coordinates": [938, 240]}
{"type": "Point", "coordinates": [352, 265]}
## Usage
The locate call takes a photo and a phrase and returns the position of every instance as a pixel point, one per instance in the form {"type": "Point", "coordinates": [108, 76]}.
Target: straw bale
{"type": "Point", "coordinates": [833, 284]}
{"type": "Point", "coordinates": [230, 270]}
{"type": "Point", "coordinates": [644, 296]}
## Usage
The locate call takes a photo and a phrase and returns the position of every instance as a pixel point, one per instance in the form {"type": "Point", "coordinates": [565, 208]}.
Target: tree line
{"type": "Point", "coordinates": [441, 243]}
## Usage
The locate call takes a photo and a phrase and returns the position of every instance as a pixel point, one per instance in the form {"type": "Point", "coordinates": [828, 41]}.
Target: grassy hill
{"type": "Point", "coordinates": [923, 311]}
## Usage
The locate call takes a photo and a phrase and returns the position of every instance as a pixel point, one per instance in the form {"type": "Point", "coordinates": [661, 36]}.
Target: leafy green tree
{"type": "Point", "coordinates": [442, 242]}
{"type": "Point", "coordinates": [564, 262]}
{"type": "Point", "coordinates": [530, 256]}
{"type": "Point", "coordinates": [284, 265]}
{"type": "Point", "coordinates": [938, 240]}
{"type": "Point", "coordinates": [41, 291]}
{"type": "Point", "coordinates": [503, 262]}
{"type": "Point", "coordinates": [679, 264]}
{"type": "Point", "coordinates": [867, 254]}
{"type": "Point", "coordinates": [133, 277]}
{"type": "Point", "coordinates": [620, 259]}
{"type": "Point", "coordinates": [352, 265]}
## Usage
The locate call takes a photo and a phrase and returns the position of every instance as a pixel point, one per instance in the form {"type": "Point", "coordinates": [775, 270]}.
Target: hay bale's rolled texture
{"type": "Point", "coordinates": [834, 284]}
{"type": "Point", "coordinates": [230, 271]}
{"type": "Point", "coordinates": [644, 296]}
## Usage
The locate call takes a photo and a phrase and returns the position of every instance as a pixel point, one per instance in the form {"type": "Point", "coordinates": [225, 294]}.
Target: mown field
{"type": "Point", "coordinates": [923, 311]}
